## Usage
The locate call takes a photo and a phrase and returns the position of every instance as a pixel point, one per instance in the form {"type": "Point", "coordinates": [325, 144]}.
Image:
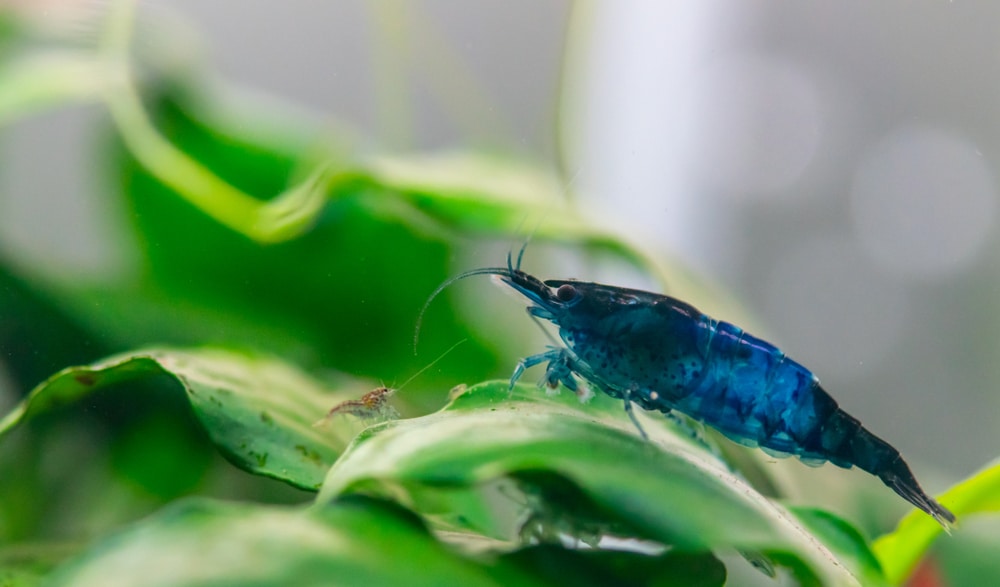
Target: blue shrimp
{"type": "Point", "coordinates": [663, 354]}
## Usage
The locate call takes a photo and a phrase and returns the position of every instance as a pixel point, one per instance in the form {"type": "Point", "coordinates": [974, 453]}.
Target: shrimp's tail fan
{"type": "Point", "coordinates": [859, 447]}
{"type": "Point", "coordinates": [901, 480]}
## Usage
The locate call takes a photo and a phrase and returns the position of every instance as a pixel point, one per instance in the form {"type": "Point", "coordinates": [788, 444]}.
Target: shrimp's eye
{"type": "Point", "coordinates": [566, 292]}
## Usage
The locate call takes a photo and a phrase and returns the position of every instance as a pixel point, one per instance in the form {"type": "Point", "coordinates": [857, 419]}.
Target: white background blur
{"type": "Point", "coordinates": [834, 165]}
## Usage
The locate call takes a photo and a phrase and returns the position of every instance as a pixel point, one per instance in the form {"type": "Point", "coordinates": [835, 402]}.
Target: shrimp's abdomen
{"type": "Point", "coordinates": [753, 393]}
{"type": "Point", "coordinates": [749, 390]}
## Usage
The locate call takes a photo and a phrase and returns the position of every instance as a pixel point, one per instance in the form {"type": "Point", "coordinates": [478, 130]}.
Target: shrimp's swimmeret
{"type": "Point", "coordinates": [663, 354]}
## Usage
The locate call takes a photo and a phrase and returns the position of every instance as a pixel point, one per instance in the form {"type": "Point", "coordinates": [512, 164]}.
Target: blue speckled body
{"type": "Point", "coordinates": [663, 354]}
{"type": "Point", "coordinates": [666, 355]}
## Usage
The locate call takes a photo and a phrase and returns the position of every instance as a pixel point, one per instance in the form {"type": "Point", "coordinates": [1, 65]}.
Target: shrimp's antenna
{"type": "Point", "coordinates": [527, 239]}
{"type": "Point", "coordinates": [374, 404]}
{"type": "Point", "coordinates": [508, 271]}
{"type": "Point", "coordinates": [503, 271]}
{"type": "Point", "coordinates": [520, 254]}
{"type": "Point", "coordinates": [432, 363]}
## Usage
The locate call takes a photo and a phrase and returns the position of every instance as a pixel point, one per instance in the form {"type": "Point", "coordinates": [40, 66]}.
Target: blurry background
{"type": "Point", "coordinates": [833, 166]}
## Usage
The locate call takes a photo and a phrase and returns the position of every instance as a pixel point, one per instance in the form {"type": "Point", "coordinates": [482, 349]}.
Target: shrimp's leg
{"type": "Point", "coordinates": [694, 429]}
{"type": "Point", "coordinates": [559, 370]}
{"type": "Point", "coordinates": [552, 356]}
{"type": "Point", "coordinates": [627, 396]}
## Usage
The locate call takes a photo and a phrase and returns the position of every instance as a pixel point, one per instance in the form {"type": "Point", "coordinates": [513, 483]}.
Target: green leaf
{"type": "Point", "coordinates": [347, 292]}
{"type": "Point", "coordinates": [45, 79]}
{"type": "Point", "coordinates": [479, 193]}
{"type": "Point", "coordinates": [901, 550]}
{"type": "Point", "coordinates": [38, 335]}
{"type": "Point", "coordinates": [355, 542]}
{"type": "Point", "coordinates": [286, 216]}
{"type": "Point", "coordinates": [845, 541]}
{"type": "Point", "coordinates": [669, 490]}
{"type": "Point", "coordinates": [28, 565]}
{"type": "Point", "coordinates": [968, 556]}
{"type": "Point", "coordinates": [598, 568]}
{"type": "Point", "coordinates": [258, 410]}
{"type": "Point", "coordinates": [483, 195]}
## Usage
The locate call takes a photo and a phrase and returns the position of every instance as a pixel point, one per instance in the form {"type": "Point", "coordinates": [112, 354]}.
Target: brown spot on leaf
{"type": "Point", "coordinates": [261, 458]}
{"type": "Point", "coordinates": [309, 453]}
{"type": "Point", "coordinates": [87, 379]}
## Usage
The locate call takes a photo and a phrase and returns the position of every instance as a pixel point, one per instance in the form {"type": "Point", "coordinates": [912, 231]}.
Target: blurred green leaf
{"type": "Point", "coordinates": [37, 335]}
{"type": "Point", "coordinates": [970, 555]}
{"type": "Point", "coordinates": [124, 316]}
{"type": "Point", "coordinates": [286, 216]}
{"type": "Point", "coordinates": [901, 550]}
{"type": "Point", "coordinates": [258, 411]}
{"type": "Point", "coordinates": [28, 565]}
{"type": "Point", "coordinates": [347, 292]}
{"type": "Point", "coordinates": [461, 191]}
{"type": "Point", "coordinates": [42, 80]}
{"type": "Point", "coordinates": [155, 455]}
{"type": "Point", "coordinates": [353, 542]}
{"type": "Point", "coordinates": [668, 490]}
{"type": "Point", "coordinates": [598, 568]}
{"type": "Point", "coordinates": [844, 540]}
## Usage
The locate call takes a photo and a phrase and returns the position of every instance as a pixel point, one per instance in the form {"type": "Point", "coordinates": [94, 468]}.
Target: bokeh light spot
{"type": "Point", "coordinates": [754, 125]}
{"type": "Point", "coordinates": [923, 202]}
{"type": "Point", "coordinates": [836, 311]}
